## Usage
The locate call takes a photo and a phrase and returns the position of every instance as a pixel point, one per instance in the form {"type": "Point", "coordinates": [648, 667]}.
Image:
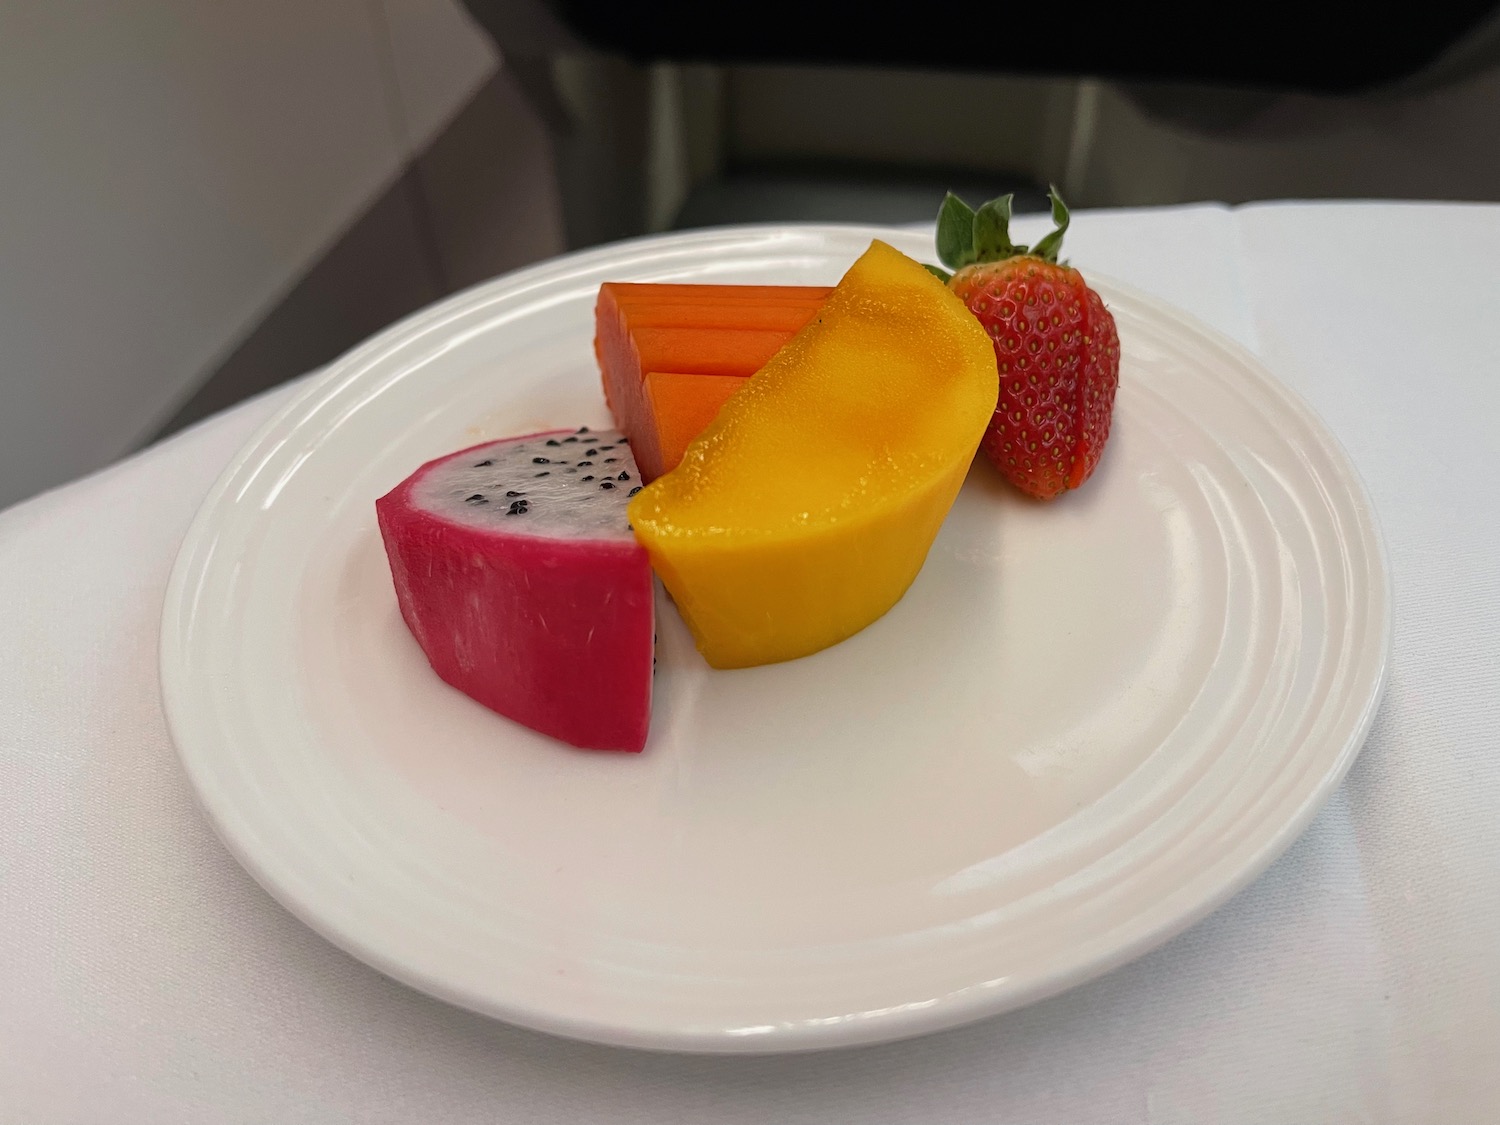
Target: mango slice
{"type": "Point", "coordinates": [806, 509]}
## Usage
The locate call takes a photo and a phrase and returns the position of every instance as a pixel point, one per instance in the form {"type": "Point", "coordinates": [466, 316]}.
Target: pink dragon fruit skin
{"type": "Point", "coordinates": [537, 604]}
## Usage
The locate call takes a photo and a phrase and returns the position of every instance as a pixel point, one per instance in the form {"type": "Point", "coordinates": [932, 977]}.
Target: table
{"type": "Point", "coordinates": [145, 978]}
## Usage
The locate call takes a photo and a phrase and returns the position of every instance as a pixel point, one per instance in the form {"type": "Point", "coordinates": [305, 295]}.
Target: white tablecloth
{"type": "Point", "coordinates": [145, 978]}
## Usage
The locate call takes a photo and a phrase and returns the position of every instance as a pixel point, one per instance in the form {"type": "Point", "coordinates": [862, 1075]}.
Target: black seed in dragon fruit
{"type": "Point", "coordinates": [525, 587]}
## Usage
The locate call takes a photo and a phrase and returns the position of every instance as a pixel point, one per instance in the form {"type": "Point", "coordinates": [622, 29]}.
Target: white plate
{"type": "Point", "coordinates": [1086, 725]}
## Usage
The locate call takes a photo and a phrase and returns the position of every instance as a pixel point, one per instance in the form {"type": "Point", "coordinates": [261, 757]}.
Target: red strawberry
{"type": "Point", "coordinates": [1055, 342]}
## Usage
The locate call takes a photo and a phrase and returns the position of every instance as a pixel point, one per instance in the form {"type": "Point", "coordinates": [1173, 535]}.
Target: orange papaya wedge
{"type": "Point", "coordinates": [705, 332]}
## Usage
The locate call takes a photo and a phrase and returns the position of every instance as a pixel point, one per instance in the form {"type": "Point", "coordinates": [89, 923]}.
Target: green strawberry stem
{"type": "Point", "coordinates": [966, 237]}
{"type": "Point", "coordinates": [1051, 243]}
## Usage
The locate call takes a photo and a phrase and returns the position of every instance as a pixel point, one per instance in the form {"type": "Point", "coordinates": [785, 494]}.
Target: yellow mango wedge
{"type": "Point", "coordinates": [807, 507]}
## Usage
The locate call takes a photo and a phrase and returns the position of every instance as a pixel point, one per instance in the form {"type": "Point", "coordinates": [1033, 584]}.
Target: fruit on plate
{"type": "Point", "coordinates": [806, 509]}
{"type": "Point", "coordinates": [517, 574]}
{"type": "Point", "coordinates": [756, 307]}
{"type": "Point", "coordinates": [1055, 344]}
{"type": "Point", "coordinates": [664, 351]}
{"type": "Point", "coordinates": [727, 306]}
{"type": "Point", "coordinates": [682, 406]}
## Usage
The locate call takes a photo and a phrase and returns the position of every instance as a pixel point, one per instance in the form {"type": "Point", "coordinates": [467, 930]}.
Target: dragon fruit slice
{"type": "Point", "coordinates": [517, 573]}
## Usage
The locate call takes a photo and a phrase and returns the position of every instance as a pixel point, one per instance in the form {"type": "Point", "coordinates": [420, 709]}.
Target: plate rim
{"type": "Point", "coordinates": [956, 1009]}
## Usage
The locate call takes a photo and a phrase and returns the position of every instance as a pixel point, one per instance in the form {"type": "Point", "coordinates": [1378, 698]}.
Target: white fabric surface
{"type": "Point", "coordinates": [145, 978]}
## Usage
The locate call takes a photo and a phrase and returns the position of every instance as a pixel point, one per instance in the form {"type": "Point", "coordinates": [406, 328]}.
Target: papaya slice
{"type": "Point", "coordinates": [634, 294]}
{"type": "Point", "coordinates": [682, 405]}
{"type": "Point", "coordinates": [702, 330]}
{"type": "Point", "coordinates": [707, 351]}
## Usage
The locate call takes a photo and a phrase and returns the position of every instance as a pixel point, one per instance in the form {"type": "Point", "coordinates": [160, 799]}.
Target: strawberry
{"type": "Point", "coordinates": [1055, 343]}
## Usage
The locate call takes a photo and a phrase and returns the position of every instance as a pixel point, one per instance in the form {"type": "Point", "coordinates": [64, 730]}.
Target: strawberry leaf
{"type": "Point", "coordinates": [955, 233]}
{"type": "Point", "coordinates": [992, 232]}
{"type": "Point", "coordinates": [941, 274]}
{"type": "Point", "coordinates": [1048, 247]}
